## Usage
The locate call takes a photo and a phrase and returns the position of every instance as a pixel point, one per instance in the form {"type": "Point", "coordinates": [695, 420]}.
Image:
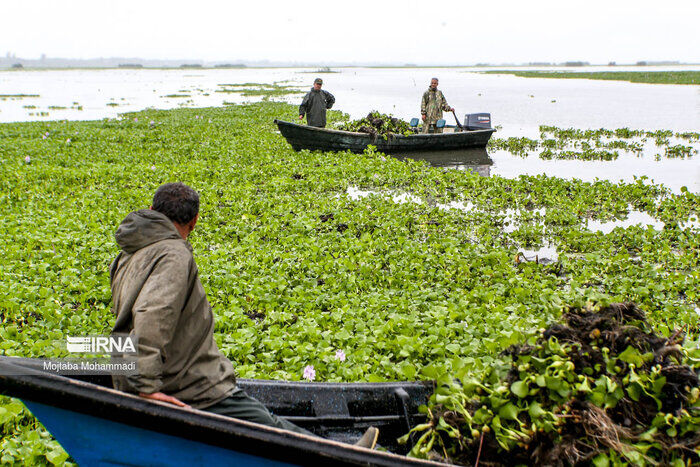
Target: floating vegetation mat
{"type": "Point", "coordinates": [600, 389]}
{"type": "Point", "coordinates": [654, 77]}
{"type": "Point", "coordinates": [601, 144]}
{"type": "Point", "coordinates": [260, 89]}
{"type": "Point", "coordinates": [17, 96]}
{"type": "Point", "coordinates": [297, 269]}
{"type": "Point", "coordinates": [377, 123]}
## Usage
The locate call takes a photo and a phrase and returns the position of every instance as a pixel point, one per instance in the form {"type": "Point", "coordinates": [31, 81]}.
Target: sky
{"type": "Point", "coordinates": [360, 31]}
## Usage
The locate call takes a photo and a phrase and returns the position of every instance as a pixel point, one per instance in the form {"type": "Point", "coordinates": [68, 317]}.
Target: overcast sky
{"type": "Point", "coordinates": [450, 32]}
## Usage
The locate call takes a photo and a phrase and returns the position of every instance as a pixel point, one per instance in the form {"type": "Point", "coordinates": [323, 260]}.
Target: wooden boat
{"type": "Point", "coordinates": [98, 425]}
{"type": "Point", "coordinates": [325, 139]}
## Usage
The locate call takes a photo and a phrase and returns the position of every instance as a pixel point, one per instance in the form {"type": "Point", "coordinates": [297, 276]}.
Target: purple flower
{"type": "Point", "coordinates": [153, 167]}
{"type": "Point", "coordinates": [28, 160]}
{"type": "Point", "coordinates": [340, 355]}
{"type": "Point", "coordinates": [136, 119]}
{"type": "Point", "coordinates": [68, 141]}
{"type": "Point", "coordinates": [309, 372]}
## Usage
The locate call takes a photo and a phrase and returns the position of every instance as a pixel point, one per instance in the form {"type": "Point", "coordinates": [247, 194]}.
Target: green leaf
{"type": "Point", "coordinates": [508, 412]}
{"type": "Point", "coordinates": [520, 389]}
{"type": "Point", "coordinates": [535, 410]}
{"type": "Point", "coordinates": [57, 456]}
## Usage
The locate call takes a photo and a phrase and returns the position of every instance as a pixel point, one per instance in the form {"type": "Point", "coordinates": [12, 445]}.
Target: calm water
{"type": "Point", "coordinates": [517, 105]}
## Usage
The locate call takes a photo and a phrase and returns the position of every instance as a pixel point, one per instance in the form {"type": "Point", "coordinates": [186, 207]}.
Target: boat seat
{"type": "Point", "coordinates": [414, 122]}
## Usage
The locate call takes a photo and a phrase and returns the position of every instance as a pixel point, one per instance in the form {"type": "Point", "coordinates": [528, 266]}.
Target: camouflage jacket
{"type": "Point", "coordinates": [432, 105]}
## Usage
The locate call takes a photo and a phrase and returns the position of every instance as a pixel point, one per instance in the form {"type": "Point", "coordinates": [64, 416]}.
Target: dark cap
{"type": "Point", "coordinates": [318, 80]}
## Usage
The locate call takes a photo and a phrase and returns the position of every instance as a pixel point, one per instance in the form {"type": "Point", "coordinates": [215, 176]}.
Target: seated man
{"type": "Point", "coordinates": [157, 296]}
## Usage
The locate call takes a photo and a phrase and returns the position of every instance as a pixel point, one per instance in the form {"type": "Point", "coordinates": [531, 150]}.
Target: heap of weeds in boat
{"type": "Point", "coordinates": [378, 124]}
{"type": "Point", "coordinates": [600, 388]}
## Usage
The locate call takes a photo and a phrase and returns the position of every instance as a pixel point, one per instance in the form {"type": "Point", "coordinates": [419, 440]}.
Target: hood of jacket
{"type": "Point", "coordinates": [144, 227]}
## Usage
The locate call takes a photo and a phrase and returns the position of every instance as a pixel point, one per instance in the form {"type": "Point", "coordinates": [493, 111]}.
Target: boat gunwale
{"type": "Point", "coordinates": [393, 135]}
{"type": "Point", "coordinates": [197, 425]}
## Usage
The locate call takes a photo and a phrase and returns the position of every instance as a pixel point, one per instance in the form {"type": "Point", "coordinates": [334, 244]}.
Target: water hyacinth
{"type": "Point", "coordinates": [309, 373]}
{"type": "Point", "coordinates": [68, 141]}
{"type": "Point", "coordinates": [28, 160]}
{"type": "Point", "coordinates": [153, 167]}
{"type": "Point", "coordinates": [340, 355]}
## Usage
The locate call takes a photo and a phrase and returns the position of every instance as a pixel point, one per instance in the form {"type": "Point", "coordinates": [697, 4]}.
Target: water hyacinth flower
{"type": "Point", "coordinates": [68, 141]}
{"type": "Point", "coordinates": [136, 119]}
{"type": "Point", "coordinates": [152, 123]}
{"type": "Point", "coordinates": [153, 167]}
{"type": "Point", "coordinates": [309, 373]}
{"type": "Point", "coordinates": [340, 355]}
{"type": "Point", "coordinates": [28, 160]}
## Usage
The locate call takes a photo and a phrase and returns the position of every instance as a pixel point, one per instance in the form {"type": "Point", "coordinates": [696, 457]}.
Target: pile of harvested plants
{"type": "Point", "coordinates": [601, 389]}
{"type": "Point", "coordinates": [378, 124]}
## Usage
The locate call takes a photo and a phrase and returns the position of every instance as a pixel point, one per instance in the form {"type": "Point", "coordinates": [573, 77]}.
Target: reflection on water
{"type": "Point", "coordinates": [476, 160]}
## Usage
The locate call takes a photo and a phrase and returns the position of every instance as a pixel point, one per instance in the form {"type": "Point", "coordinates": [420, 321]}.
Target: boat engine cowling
{"type": "Point", "coordinates": [479, 121]}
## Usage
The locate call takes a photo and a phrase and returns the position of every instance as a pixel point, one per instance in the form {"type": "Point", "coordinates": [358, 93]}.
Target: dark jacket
{"type": "Point", "coordinates": [314, 107]}
{"type": "Point", "coordinates": [157, 295]}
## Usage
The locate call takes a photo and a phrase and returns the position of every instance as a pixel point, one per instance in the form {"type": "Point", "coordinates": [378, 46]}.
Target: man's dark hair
{"type": "Point", "coordinates": [177, 201]}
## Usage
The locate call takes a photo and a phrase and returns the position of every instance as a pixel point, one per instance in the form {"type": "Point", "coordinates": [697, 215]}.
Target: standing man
{"type": "Point", "coordinates": [431, 107]}
{"type": "Point", "coordinates": [314, 105]}
{"type": "Point", "coordinates": [157, 296]}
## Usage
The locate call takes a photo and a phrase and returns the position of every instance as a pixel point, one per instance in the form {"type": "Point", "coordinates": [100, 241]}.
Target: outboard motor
{"type": "Point", "coordinates": [480, 121]}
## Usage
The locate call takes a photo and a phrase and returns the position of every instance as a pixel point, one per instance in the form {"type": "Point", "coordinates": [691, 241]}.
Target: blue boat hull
{"type": "Point", "coordinates": [98, 425]}
{"type": "Point", "coordinates": [95, 441]}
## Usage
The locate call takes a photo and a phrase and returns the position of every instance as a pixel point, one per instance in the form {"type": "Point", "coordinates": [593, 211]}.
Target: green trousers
{"type": "Point", "coordinates": [241, 405]}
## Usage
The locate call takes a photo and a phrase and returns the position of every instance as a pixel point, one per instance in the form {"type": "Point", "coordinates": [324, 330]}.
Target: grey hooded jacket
{"type": "Point", "coordinates": [314, 106]}
{"type": "Point", "coordinates": [157, 295]}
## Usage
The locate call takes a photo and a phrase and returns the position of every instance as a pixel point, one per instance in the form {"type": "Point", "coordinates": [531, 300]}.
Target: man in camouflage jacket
{"type": "Point", "coordinates": [431, 107]}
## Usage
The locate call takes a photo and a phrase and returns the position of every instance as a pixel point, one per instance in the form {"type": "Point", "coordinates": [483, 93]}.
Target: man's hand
{"type": "Point", "coordinates": [159, 396]}
{"type": "Point", "coordinates": [301, 117]}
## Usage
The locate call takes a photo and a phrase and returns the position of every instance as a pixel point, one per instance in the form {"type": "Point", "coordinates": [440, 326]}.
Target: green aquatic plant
{"type": "Point", "coordinates": [601, 388]}
{"type": "Point", "coordinates": [377, 123]}
{"type": "Point", "coordinates": [588, 154]}
{"type": "Point", "coordinates": [654, 77]}
{"type": "Point", "coordinates": [680, 151]}
{"type": "Point", "coordinates": [516, 146]}
{"type": "Point", "coordinates": [17, 96]}
{"type": "Point", "coordinates": [296, 268]}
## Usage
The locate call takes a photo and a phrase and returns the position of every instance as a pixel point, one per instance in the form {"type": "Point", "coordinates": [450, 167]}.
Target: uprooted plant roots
{"type": "Point", "coordinates": [600, 388]}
